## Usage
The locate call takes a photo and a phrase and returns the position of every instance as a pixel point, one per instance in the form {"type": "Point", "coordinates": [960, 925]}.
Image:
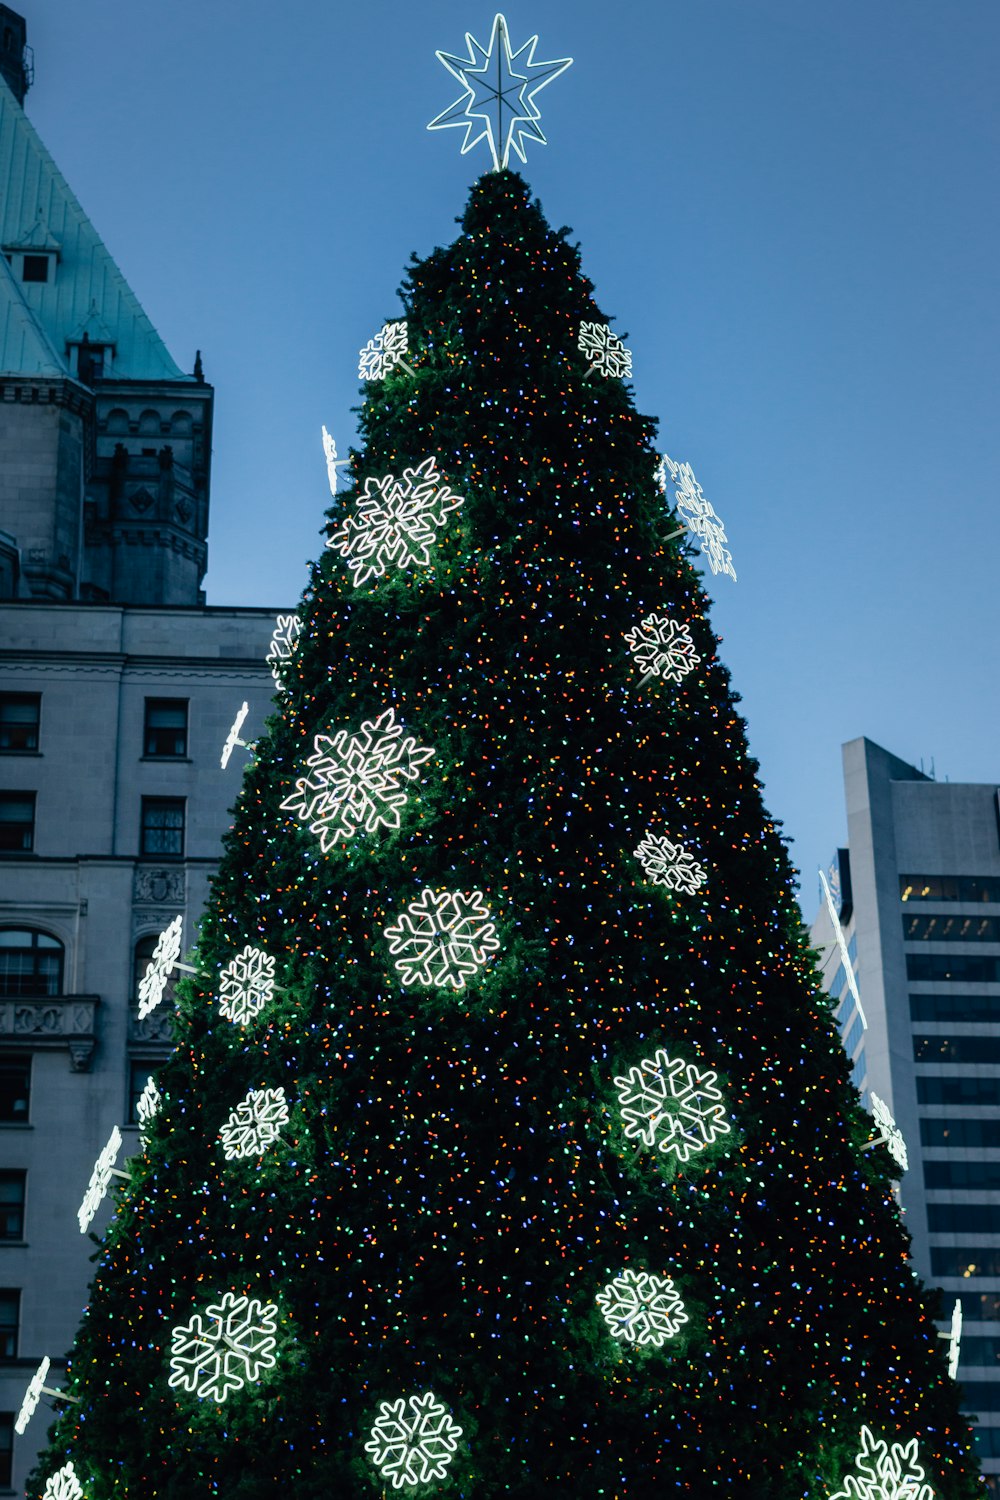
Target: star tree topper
{"type": "Point", "coordinates": [498, 100]}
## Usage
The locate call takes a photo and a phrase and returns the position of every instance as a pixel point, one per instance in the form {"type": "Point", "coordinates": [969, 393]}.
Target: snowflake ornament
{"type": "Point", "coordinates": [671, 1106]}
{"type": "Point", "coordinates": [413, 1441]}
{"type": "Point", "coordinates": [254, 1124]}
{"type": "Point", "coordinates": [386, 350]}
{"type": "Point", "coordinates": [662, 648]}
{"type": "Point", "coordinates": [233, 737]}
{"type": "Point", "coordinates": [147, 1105]}
{"type": "Point", "coordinates": [357, 780]}
{"type": "Point", "coordinates": [158, 970]}
{"type": "Point", "coordinates": [246, 984]}
{"type": "Point", "coordinates": [32, 1396]}
{"type": "Point", "coordinates": [100, 1180]}
{"type": "Point", "coordinates": [333, 463]}
{"type": "Point", "coordinates": [670, 865]}
{"type": "Point", "coordinates": [698, 515]}
{"type": "Point", "coordinates": [885, 1472]}
{"type": "Point", "coordinates": [442, 939]}
{"type": "Point", "coordinates": [641, 1308]}
{"type": "Point", "coordinates": [498, 101]}
{"type": "Point", "coordinates": [63, 1485]}
{"type": "Point", "coordinates": [845, 956]}
{"type": "Point", "coordinates": [224, 1349]}
{"type": "Point", "coordinates": [954, 1337]}
{"type": "Point", "coordinates": [284, 639]}
{"type": "Point", "coordinates": [395, 521]}
{"type": "Point", "coordinates": [890, 1134]}
{"type": "Point", "coordinates": [604, 351]}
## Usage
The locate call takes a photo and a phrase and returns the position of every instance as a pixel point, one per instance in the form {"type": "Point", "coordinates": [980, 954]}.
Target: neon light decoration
{"type": "Point", "coordinates": [384, 352]}
{"type": "Point", "coordinates": [284, 639]}
{"type": "Point", "coordinates": [164, 960]}
{"type": "Point", "coordinates": [147, 1105]}
{"type": "Point", "coordinates": [698, 515]}
{"type": "Point", "coordinates": [246, 984]}
{"type": "Point", "coordinates": [670, 865]}
{"type": "Point", "coordinates": [63, 1485]}
{"type": "Point", "coordinates": [396, 521]}
{"type": "Point", "coordinates": [497, 104]}
{"type": "Point", "coordinates": [233, 737]}
{"type": "Point", "coordinates": [254, 1124]}
{"type": "Point", "coordinates": [662, 648]}
{"type": "Point", "coordinates": [890, 1134]}
{"type": "Point", "coordinates": [32, 1396]}
{"type": "Point", "coordinates": [604, 351]}
{"type": "Point", "coordinates": [845, 957]}
{"type": "Point", "coordinates": [885, 1472]}
{"type": "Point", "coordinates": [333, 463]}
{"type": "Point", "coordinates": [413, 1446]}
{"type": "Point", "coordinates": [640, 1308]}
{"type": "Point", "coordinates": [671, 1106]}
{"type": "Point", "coordinates": [442, 939]}
{"type": "Point", "coordinates": [224, 1349]}
{"type": "Point", "coordinates": [100, 1180]}
{"type": "Point", "coordinates": [357, 780]}
{"type": "Point", "coordinates": [954, 1337]}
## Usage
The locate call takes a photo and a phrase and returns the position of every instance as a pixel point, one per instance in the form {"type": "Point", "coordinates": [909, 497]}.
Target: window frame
{"type": "Point", "coordinates": [6, 1448]}
{"type": "Point", "coordinates": [12, 1329]}
{"type": "Point", "coordinates": [150, 730]}
{"type": "Point", "coordinates": [35, 261]}
{"type": "Point", "coordinates": [32, 725]}
{"type": "Point", "coordinates": [20, 1177]}
{"type": "Point", "coordinates": [28, 828]}
{"type": "Point", "coordinates": [50, 945]}
{"type": "Point", "coordinates": [147, 827]}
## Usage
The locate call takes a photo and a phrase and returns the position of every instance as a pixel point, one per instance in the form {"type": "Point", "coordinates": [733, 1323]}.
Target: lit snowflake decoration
{"type": "Point", "coordinates": [395, 521]}
{"type": "Point", "coordinates": [285, 638]}
{"type": "Point", "coordinates": [698, 516]}
{"type": "Point", "coordinates": [604, 351]}
{"type": "Point", "coordinates": [246, 984]}
{"type": "Point", "coordinates": [147, 1105]}
{"type": "Point", "coordinates": [333, 463]}
{"type": "Point", "coordinates": [158, 970]}
{"type": "Point", "coordinates": [386, 350]}
{"type": "Point", "coordinates": [671, 1106]}
{"type": "Point", "coordinates": [662, 648]}
{"type": "Point", "coordinates": [641, 1308]}
{"type": "Point", "coordinates": [845, 956]}
{"type": "Point", "coordinates": [498, 103]}
{"type": "Point", "coordinates": [233, 737]}
{"type": "Point", "coordinates": [669, 864]}
{"type": "Point", "coordinates": [357, 780]}
{"type": "Point", "coordinates": [254, 1124]}
{"type": "Point", "coordinates": [224, 1349]}
{"type": "Point", "coordinates": [32, 1396]}
{"type": "Point", "coordinates": [890, 1134]}
{"type": "Point", "coordinates": [442, 938]}
{"type": "Point", "coordinates": [63, 1485]}
{"type": "Point", "coordinates": [954, 1337]}
{"type": "Point", "coordinates": [100, 1180]}
{"type": "Point", "coordinates": [413, 1441]}
{"type": "Point", "coordinates": [885, 1472]}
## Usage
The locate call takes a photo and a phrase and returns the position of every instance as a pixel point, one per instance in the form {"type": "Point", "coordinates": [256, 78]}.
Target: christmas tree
{"type": "Point", "coordinates": [507, 1146]}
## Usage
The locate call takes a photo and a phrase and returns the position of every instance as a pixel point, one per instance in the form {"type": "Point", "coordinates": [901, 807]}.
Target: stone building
{"type": "Point", "coordinates": [917, 897]}
{"type": "Point", "coordinates": [117, 688]}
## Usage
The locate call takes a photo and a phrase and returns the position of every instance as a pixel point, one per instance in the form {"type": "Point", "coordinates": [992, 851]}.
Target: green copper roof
{"type": "Point", "coordinates": [38, 211]}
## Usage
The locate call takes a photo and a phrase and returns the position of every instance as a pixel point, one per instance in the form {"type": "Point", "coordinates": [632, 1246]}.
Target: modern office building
{"type": "Point", "coordinates": [117, 688]}
{"type": "Point", "coordinates": [916, 894]}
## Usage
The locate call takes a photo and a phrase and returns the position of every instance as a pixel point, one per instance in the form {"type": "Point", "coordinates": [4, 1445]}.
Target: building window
{"type": "Point", "coordinates": [10, 1313]}
{"type": "Point", "coordinates": [971, 1135]}
{"type": "Point", "coordinates": [948, 888]}
{"type": "Point", "coordinates": [165, 733]}
{"type": "Point", "coordinates": [31, 964]}
{"type": "Point", "coordinates": [919, 927]}
{"type": "Point", "coordinates": [964, 1261]}
{"type": "Point", "coordinates": [162, 826]}
{"type": "Point", "coordinates": [962, 968]}
{"type": "Point", "coordinates": [6, 1447]}
{"type": "Point", "coordinates": [987, 1438]}
{"type": "Point", "coordinates": [957, 1049]}
{"type": "Point", "coordinates": [17, 822]}
{"type": "Point", "coordinates": [955, 1007]}
{"type": "Point", "coordinates": [963, 1218]}
{"type": "Point", "coordinates": [966, 1090]}
{"type": "Point", "coordinates": [980, 1174]}
{"type": "Point", "coordinates": [36, 268]}
{"type": "Point", "coordinates": [12, 1205]}
{"type": "Point", "coordinates": [19, 713]}
{"type": "Point", "coordinates": [15, 1088]}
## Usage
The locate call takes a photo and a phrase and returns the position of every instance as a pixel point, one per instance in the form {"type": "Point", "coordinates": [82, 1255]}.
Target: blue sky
{"type": "Point", "coordinates": [791, 208]}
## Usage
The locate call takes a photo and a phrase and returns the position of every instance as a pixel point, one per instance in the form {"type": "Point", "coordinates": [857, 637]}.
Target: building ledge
{"type": "Point", "coordinates": [63, 1021]}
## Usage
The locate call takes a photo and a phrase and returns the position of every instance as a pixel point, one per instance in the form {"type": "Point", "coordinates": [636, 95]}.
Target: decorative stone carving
{"type": "Point", "coordinates": [65, 1021]}
{"type": "Point", "coordinates": [158, 886]}
{"type": "Point", "coordinates": [156, 1029]}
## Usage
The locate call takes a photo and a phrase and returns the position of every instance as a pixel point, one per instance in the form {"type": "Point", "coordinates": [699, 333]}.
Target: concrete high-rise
{"type": "Point", "coordinates": [917, 895]}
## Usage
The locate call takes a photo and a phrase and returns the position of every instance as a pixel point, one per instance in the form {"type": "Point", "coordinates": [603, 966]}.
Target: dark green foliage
{"type": "Point", "coordinates": [455, 1185]}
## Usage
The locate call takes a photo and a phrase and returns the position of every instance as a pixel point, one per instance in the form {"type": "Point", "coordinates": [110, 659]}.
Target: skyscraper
{"type": "Point", "coordinates": [916, 894]}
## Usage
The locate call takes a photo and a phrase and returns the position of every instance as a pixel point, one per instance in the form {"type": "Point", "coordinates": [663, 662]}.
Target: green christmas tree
{"type": "Point", "coordinates": [507, 1147]}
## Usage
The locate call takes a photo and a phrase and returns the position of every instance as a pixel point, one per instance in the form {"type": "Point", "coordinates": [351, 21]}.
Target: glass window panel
{"type": "Point", "coordinates": [12, 1205]}
{"type": "Point", "coordinates": [162, 826]}
{"type": "Point", "coordinates": [966, 968]}
{"type": "Point", "coordinates": [982, 1175]}
{"type": "Point", "coordinates": [10, 1306]}
{"type": "Point", "coordinates": [957, 1049]}
{"type": "Point", "coordinates": [19, 714]}
{"type": "Point", "coordinates": [165, 731]}
{"type": "Point", "coordinates": [17, 821]}
{"type": "Point", "coordinates": [963, 1218]}
{"type": "Point", "coordinates": [969, 1134]}
{"type": "Point", "coordinates": [921, 927]}
{"type": "Point", "coordinates": [966, 888]}
{"type": "Point", "coordinates": [31, 964]}
{"type": "Point", "coordinates": [955, 1007]}
{"type": "Point", "coordinates": [6, 1446]}
{"type": "Point", "coordinates": [15, 1089]}
{"type": "Point", "coordinates": [958, 1090]}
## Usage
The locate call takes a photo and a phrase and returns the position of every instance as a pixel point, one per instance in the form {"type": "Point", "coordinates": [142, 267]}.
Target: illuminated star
{"type": "Point", "coordinates": [498, 105]}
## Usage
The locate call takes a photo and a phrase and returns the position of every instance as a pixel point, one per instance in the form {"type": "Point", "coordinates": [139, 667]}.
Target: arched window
{"type": "Point", "coordinates": [31, 963]}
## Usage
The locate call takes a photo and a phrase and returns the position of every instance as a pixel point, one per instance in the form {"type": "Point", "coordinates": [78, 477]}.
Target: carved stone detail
{"type": "Point", "coordinates": [157, 886]}
{"type": "Point", "coordinates": [156, 1029]}
{"type": "Point", "coordinates": [65, 1021]}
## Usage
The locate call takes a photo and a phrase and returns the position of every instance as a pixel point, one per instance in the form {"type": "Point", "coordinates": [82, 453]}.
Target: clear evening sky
{"type": "Point", "coordinates": [791, 207]}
